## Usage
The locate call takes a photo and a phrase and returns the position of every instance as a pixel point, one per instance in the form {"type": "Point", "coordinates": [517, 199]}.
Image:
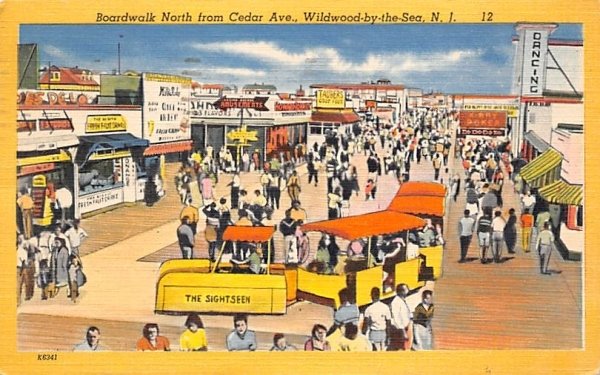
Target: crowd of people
{"type": "Point", "coordinates": [49, 261]}
{"type": "Point", "coordinates": [391, 326]}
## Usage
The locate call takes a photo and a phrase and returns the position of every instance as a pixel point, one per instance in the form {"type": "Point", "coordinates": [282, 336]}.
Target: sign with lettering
{"type": "Point", "coordinates": [95, 201]}
{"type": "Point", "coordinates": [331, 99]}
{"type": "Point", "coordinates": [512, 110]}
{"type": "Point", "coordinates": [36, 168]}
{"type": "Point", "coordinates": [105, 123]}
{"type": "Point", "coordinates": [257, 103]}
{"type": "Point", "coordinates": [483, 119]}
{"type": "Point", "coordinates": [55, 97]}
{"type": "Point", "coordinates": [56, 124]}
{"type": "Point", "coordinates": [166, 107]}
{"type": "Point", "coordinates": [535, 53]}
{"type": "Point", "coordinates": [242, 135]}
{"type": "Point", "coordinates": [292, 106]}
{"type": "Point", "coordinates": [482, 132]}
{"type": "Point", "coordinates": [225, 299]}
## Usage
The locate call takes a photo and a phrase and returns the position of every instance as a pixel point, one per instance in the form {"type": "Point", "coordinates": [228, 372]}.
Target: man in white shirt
{"type": "Point", "coordinates": [466, 225]}
{"type": "Point", "coordinates": [377, 317]}
{"type": "Point", "coordinates": [64, 199]}
{"type": "Point", "coordinates": [527, 202]}
{"type": "Point", "coordinates": [498, 225]}
{"type": "Point", "coordinates": [75, 234]}
{"type": "Point", "coordinates": [401, 320]}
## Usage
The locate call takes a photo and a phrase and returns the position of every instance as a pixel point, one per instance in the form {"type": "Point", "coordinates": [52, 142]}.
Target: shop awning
{"type": "Point", "coordinates": [105, 142]}
{"type": "Point", "coordinates": [367, 225]}
{"type": "Point", "coordinates": [51, 142]}
{"type": "Point", "coordinates": [418, 188]}
{"type": "Point", "coordinates": [419, 205]}
{"type": "Point", "coordinates": [344, 117]}
{"type": "Point", "coordinates": [537, 142]}
{"type": "Point", "coordinates": [248, 234]}
{"type": "Point", "coordinates": [168, 148]}
{"type": "Point", "coordinates": [542, 170]}
{"type": "Point", "coordinates": [561, 192]}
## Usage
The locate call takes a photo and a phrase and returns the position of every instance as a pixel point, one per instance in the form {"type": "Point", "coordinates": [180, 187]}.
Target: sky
{"type": "Point", "coordinates": [459, 58]}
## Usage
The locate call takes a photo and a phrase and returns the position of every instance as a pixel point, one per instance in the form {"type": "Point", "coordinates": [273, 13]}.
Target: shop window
{"type": "Point", "coordinates": [315, 129]}
{"type": "Point", "coordinates": [100, 175]}
{"type": "Point", "coordinates": [575, 218]}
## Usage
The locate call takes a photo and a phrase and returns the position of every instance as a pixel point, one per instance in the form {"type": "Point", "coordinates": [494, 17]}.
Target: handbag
{"type": "Point", "coordinates": [80, 277]}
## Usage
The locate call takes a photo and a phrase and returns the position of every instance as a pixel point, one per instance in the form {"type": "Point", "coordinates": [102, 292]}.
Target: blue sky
{"type": "Point", "coordinates": [463, 58]}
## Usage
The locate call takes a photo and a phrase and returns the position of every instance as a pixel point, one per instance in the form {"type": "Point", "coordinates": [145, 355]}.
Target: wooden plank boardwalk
{"type": "Point", "coordinates": [509, 305]}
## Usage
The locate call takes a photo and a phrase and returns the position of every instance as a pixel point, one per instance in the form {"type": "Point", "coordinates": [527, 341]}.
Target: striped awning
{"type": "Point", "coordinates": [561, 192]}
{"type": "Point", "coordinates": [542, 170]}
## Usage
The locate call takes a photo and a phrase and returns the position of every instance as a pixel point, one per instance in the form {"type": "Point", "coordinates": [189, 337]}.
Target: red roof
{"type": "Point", "coordinates": [421, 189]}
{"type": "Point", "coordinates": [367, 225]}
{"type": "Point", "coordinates": [248, 234]}
{"type": "Point", "coordinates": [68, 76]}
{"type": "Point", "coordinates": [335, 117]}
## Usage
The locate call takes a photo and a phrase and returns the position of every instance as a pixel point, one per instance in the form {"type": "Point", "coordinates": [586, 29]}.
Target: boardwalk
{"type": "Point", "coordinates": [508, 305]}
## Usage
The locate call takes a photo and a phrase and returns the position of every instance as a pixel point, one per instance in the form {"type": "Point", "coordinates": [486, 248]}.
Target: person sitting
{"type": "Point", "coordinates": [151, 340]}
{"type": "Point", "coordinates": [254, 262]}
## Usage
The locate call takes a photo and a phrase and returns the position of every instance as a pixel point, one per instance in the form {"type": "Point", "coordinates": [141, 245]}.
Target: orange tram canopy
{"type": "Point", "coordinates": [248, 234]}
{"type": "Point", "coordinates": [367, 225]}
{"type": "Point", "coordinates": [421, 189]}
{"type": "Point", "coordinates": [417, 205]}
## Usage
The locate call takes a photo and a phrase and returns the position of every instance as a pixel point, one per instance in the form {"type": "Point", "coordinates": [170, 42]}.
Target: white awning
{"type": "Point", "coordinates": [53, 142]}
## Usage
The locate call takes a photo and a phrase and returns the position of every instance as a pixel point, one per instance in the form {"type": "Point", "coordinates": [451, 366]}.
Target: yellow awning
{"type": "Point", "coordinates": [543, 170]}
{"type": "Point", "coordinates": [561, 192]}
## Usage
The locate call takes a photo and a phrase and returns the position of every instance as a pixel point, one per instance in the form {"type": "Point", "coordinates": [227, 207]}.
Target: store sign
{"type": "Point", "coordinates": [331, 99]}
{"type": "Point", "coordinates": [112, 154]}
{"type": "Point", "coordinates": [105, 123]}
{"type": "Point", "coordinates": [483, 119]}
{"type": "Point", "coordinates": [36, 168]}
{"type": "Point", "coordinates": [292, 106]}
{"type": "Point", "coordinates": [243, 135]}
{"type": "Point", "coordinates": [535, 51]}
{"type": "Point", "coordinates": [512, 110]}
{"type": "Point", "coordinates": [56, 124]}
{"type": "Point", "coordinates": [25, 126]}
{"type": "Point", "coordinates": [166, 107]}
{"type": "Point", "coordinates": [55, 97]}
{"type": "Point", "coordinates": [256, 103]}
{"type": "Point", "coordinates": [54, 158]}
{"type": "Point", "coordinates": [95, 201]}
{"type": "Point", "coordinates": [483, 132]}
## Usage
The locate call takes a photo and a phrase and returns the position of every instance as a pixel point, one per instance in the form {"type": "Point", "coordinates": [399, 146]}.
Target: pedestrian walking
{"type": "Point", "coordinates": [484, 228]}
{"type": "Point", "coordinates": [235, 189]}
{"type": "Point", "coordinates": [377, 318]}
{"type": "Point", "coordinates": [498, 225]}
{"type": "Point", "coordinates": [312, 169]}
{"type": "Point", "coordinates": [293, 186]}
{"type": "Point", "coordinates": [437, 165]}
{"type": "Point", "coordinates": [526, 225]}
{"type": "Point", "coordinates": [334, 202]}
{"type": "Point", "coordinates": [510, 231]}
{"type": "Point", "coordinates": [466, 225]}
{"type": "Point", "coordinates": [544, 245]}
{"type": "Point", "coordinates": [185, 236]}
{"type": "Point", "coordinates": [401, 336]}
{"type": "Point", "coordinates": [422, 317]}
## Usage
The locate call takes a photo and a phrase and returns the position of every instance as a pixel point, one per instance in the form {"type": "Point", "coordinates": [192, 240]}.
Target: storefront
{"type": "Point", "coordinates": [533, 146]}
{"type": "Point", "coordinates": [107, 168]}
{"type": "Point", "coordinates": [569, 199]}
{"type": "Point", "coordinates": [43, 166]}
{"type": "Point", "coordinates": [45, 148]}
{"type": "Point", "coordinates": [324, 121]}
{"type": "Point", "coordinates": [266, 125]}
{"type": "Point", "coordinates": [543, 170]}
{"type": "Point", "coordinates": [165, 123]}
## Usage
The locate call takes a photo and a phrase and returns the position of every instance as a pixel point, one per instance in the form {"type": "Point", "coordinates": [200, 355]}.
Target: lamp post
{"type": "Point", "coordinates": [119, 55]}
